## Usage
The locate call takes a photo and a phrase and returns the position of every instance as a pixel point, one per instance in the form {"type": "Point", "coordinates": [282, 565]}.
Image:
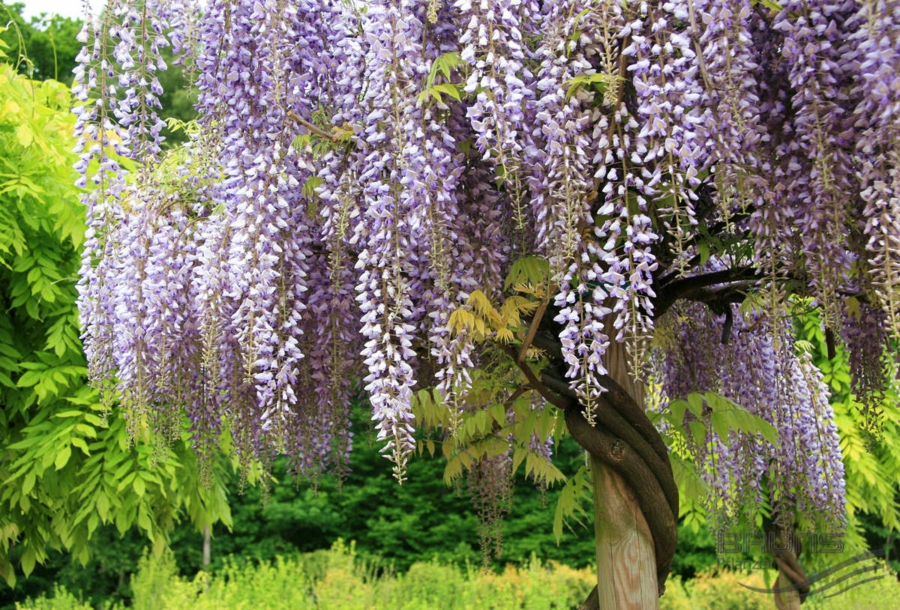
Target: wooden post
{"type": "Point", "coordinates": [207, 555]}
{"type": "Point", "coordinates": [626, 561]}
{"type": "Point", "coordinates": [207, 550]}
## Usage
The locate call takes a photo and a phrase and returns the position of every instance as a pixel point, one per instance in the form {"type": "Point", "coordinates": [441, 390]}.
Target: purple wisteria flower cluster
{"type": "Point", "coordinates": [760, 370]}
{"type": "Point", "coordinates": [359, 171]}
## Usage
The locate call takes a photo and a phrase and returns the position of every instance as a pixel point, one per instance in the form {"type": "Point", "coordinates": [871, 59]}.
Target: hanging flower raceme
{"type": "Point", "coordinates": [875, 51]}
{"type": "Point", "coordinates": [819, 178]}
{"type": "Point", "coordinates": [501, 83]}
{"type": "Point", "coordinates": [625, 262]}
{"type": "Point", "coordinates": [865, 337]}
{"type": "Point", "coordinates": [760, 370]}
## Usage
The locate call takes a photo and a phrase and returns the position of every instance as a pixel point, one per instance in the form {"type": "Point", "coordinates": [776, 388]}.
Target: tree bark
{"type": "Point", "coordinates": [786, 600]}
{"type": "Point", "coordinates": [792, 584]}
{"type": "Point", "coordinates": [626, 561]}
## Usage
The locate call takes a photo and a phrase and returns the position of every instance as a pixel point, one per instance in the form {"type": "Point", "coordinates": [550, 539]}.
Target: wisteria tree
{"type": "Point", "coordinates": [508, 218]}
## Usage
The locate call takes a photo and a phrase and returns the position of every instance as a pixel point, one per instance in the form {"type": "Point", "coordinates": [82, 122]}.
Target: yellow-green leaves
{"type": "Point", "coordinates": [481, 320]}
{"type": "Point", "coordinates": [444, 65]}
{"type": "Point", "coordinates": [720, 414]}
{"type": "Point", "coordinates": [62, 457]}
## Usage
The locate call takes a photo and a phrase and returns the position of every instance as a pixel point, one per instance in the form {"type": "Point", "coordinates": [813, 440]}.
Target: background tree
{"type": "Point", "coordinates": [515, 213]}
{"type": "Point", "coordinates": [44, 47]}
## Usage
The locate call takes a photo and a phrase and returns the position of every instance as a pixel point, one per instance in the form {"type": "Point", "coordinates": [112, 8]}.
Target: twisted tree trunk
{"type": "Point", "coordinates": [635, 496]}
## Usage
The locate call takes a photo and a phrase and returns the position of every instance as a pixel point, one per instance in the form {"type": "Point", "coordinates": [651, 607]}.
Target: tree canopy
{"type": "Point", "coordinates": [484, 209]}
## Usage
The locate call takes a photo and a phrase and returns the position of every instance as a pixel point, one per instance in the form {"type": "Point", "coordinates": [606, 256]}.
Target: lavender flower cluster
{"type": "Point", "coordinates": [761, 371]}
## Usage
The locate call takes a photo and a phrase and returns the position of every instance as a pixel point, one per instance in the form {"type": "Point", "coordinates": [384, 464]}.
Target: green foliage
{"type": "Point", "coordinates": [709, 413]}
{"type": "Point", "coordinates": [505, 422]}
{"type": "Point", "coordinates": [402, 524]}
{"type": "Point", "coordinates": [575, 493]}
{"type": "Point", "coordinates": [61, 600]}
{"type": "Point", "coordinates": [46, 48]}
{"type": "Point", "coordinates": [696, 551]}
{"type": "Point", "coordinates": [717, 413]}
{"type": "Point", "coordinates": [724, 590]}
{"type": "Point", "coordinates": [177, 100]}
{"type": "Point", "coordinates": [66, 466]}
{"type": "Point", "coordinates": [597, 83]}
{"type": "Point", "coordinates": [393, 525]}
{"type": "Point", "coordinates": [339, 579]}
{"type": "Point", "coordinates": [529, 270]}
{"type": "Point", "coordinates": [443, 64]}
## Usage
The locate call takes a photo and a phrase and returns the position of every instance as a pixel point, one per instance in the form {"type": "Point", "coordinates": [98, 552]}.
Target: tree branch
{"type": "Point", "coordinates": [689, 287]}
{"type": "Point", "coordinates": [620, 400]}
{"type": "Point", "coordinates": [554, 399]}
{"type": "Point", "coordinates": [532, 328]}
{"type": "Point", "coordinates": [312, 128]}
{"type": "Point", "coordinates": [631, 447]}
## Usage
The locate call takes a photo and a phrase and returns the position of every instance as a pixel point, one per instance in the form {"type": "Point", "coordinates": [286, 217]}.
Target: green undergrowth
{"type": "Point", "coordinates": [338, 579]}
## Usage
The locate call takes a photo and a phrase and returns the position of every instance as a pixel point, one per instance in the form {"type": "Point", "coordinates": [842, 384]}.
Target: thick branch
{"type": "Point", "coordinates": [620, 400]}
{"type": "Point", "coordinates": [554, 399]}
{"type": "Point", "coordinates": [625, 441]}
{"type": "Point", "coordinates": [690, 287]}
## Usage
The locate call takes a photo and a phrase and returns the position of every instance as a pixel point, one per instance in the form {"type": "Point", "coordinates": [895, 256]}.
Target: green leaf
{"type": "Point", "coordinates": [29, 379]}
{"type": "Point", "coordinates": [28, 483]}
{"type": "Point", "coordinates": [103, 506]}
{"type": "Point", "coordinates": [24, 135]}
{"type": "Point", "coordinates": [310, 186]}
{"type": "Point", "coordinates": [527, 270]}
{"type": "Point", "coordinates": [695, 404]}
{"type": "Point", "coordinates": [574, 493]}
{"type": "Point", "coordinates": [454, 91]}
{"type": "Point", "coordinates": [498, 412]}
{"type": "Point", "coordinates": [62, 458]}
{"type": "Point", "coordinates": [28, 560]}
{"type": "Point", "coordinates": [597, 82]}
{"type": "Point", "coordinates": [704, 252]}
{"type": "Point", "coordinates": [66, 414]}
{"type": "Point", "coordinates": [678, 408]}
{"type": "Point", "coordinates": [518, 456]}
{"type": "Point", "coordinates": [698, 431]}
{"type": "Point", "coordinates": [443, 64]}
{"type": "Point", "coordinates": [771, 5]}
